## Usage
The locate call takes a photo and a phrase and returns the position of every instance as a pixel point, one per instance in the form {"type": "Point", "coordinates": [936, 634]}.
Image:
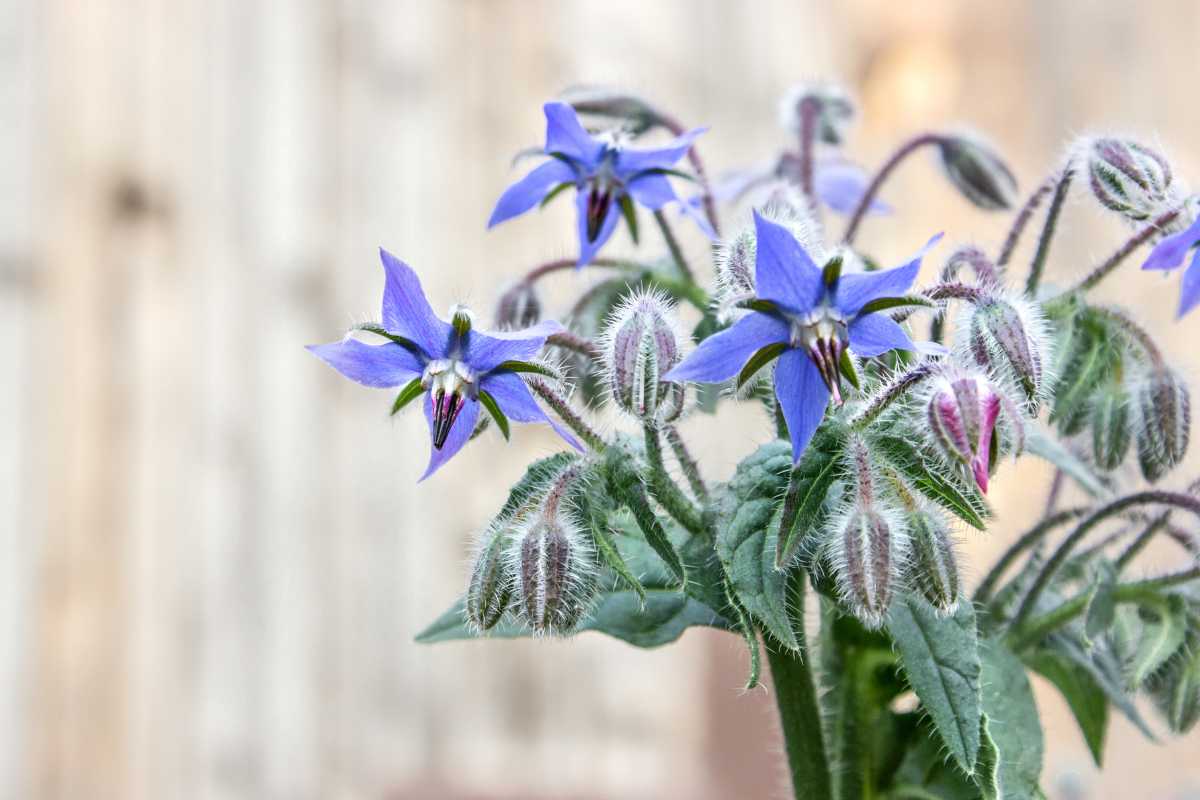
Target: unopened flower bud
{"type": "Point", "coordinates": [1176, 690]}
{"type": "Point", "coordinates": [932, 566]}
{"type": "Point", "coordinates": [1009, 336]}
{"type": "Point", "coordinates": [641, 345]}
{"type": "Point", "coordinates": [1111, 428]}
{"type": "Point", "coordinates": [977, 171]}
{"type": "Point", "coordinates": [555, 575]}
{"type": "Point", "coordinates": [519, 307]}
{"type": "Point", "coordinates": [867, 545]}
{"type": "Point", "coordinates": [735, 268]}
{"type": "Point", "coordinates": [962, 411]}
{"type": "Point", "coordinates": [832, 106]}
{"type": "Point", "coordinates": [490, 588]}
{"type": "Point", "coordinates": [1163, 408]}
{"type": "Point", "coordinates": [1128, 178]}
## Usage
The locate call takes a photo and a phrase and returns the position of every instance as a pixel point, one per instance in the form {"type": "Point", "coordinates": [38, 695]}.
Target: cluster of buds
{"type": "Point", "coordinates": [1007, 337]}
{"type": "Point", "coordinates": [963, 411]}
{"type": "Point", "coordinates": [977, 172]}
{"type": "Point", "coordinates": [831, 109]}
{"type": "Point", "coordinates": [536, 563]}
{"type": "Point", "coordinates": [1163, 417]}
{"type": "Point", "coordinates": [641, 344]}
{"type": "Point", "coordinates": [1127, 177]}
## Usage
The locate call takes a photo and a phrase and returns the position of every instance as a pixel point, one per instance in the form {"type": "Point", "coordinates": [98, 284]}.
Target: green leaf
{"type": "Point", "coordinates": [930, 479]}
{"type": "Point", "coordinates": [804, 506]}
{"type": "Point", "coordinates": [759, 360]}
{"type": "Point", "coordinates": [941, 661]}
{"type": "Point", "coordinates": [533, 483]}
{"type": "Point", "coordinates": [409, 393]}
{"type": "Point", "coordinates": [1086, 699]}
{"type": "Point", "coordinates": [1102, 604]}
{"type": "Point", "coordinates": [1014, 726]}
{"type": "Point", "coordinates": [1103, 666]}
{"type": "Point", "coordinates": [1042, 444]}
{"type": "Point", "coordinates": [1164, 631]}
{"type": "Point", "coordinates": [626, 486]}
{"type": "Point", "coordinates": [987, 769]}
{"type": "Point", "coordinates": [489, 402]}
{"type": "Point", "coordinates": [630, 214]}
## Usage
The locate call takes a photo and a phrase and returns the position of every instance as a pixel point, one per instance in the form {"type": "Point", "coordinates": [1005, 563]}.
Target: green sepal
{"type": "Point", "coordinates": [832, 270]}
{"type": "Point", "coordinates": [846, 365]}
{"type": "Point", "coordinates": [630, 213]}
{"type": "Point", "coordinates": [759, 360]}
{"type": "Point", "coordinates": [674, 173]}
{"type": "Point", "coordinates": [908, 300]}
{"type": "Point", "coordinates": [411, 391]}
{"type": "Point", "coordinates": [379, 330]}
{"type": "Point", "coordinates": [530, 367]}
{"type": "Point", "coordinates": [597, 520]}
{"type": "Point", "coordinates": [758, 304]}
{"type": "Point", "coordinates": [493, 409]}
{"type": "Point", "coordinates": [461, 322]}
{"type": "Point", "coordinates": [553, 193]}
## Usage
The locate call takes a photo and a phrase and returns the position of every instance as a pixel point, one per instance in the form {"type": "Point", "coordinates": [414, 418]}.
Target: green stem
{"type": "Point", "coordinates": [800, 713]}
{"type": "Point", "coordinates": [691, 470]}
{"type": "Point", "coordinates": [673, 246]}
{"type": "Point", "coordinates": [562, 407]}
{"type": "Point", "coordinates": [1143, 538]}
{"type": "Point", "coordinates": [873, 189]}
{"type": "Point", "coordinates": [666, 491]}
{"type": "Point", "coordinates": [986, 588]}
{"type": "Point", "coordinates": [1124, 251]}
{"type": "Point", "coordinates": [575, 343]}
{"type": "Point", "coordinates": [1048, 230]}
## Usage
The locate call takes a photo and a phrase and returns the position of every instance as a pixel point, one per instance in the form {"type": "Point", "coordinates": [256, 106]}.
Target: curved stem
{"type": "Point", "coordinates": [576, 343]}
{"type": "Point", "coordinates": [1143, 538]}
{"type": "Point", "coordinates": [542, 270]}
{"type": "Point", "coordinates": [673, 246]}
{"type": "Point", "coordinates": [693, 155]}
{"type": "Point", "coordinates": [691, 470]}
{"type": "Point", "coordinates": [1040, 583]}
{"type": "Point", "coordinates": [1134, 331]}
{"type": "Point", "coordinates": [889, 394]}
{"type": "Point", "coordinates": [988, 585]}
{"type": "Point", "coordinates": [1038, 266]}
{"type": "Point", "coordinates": [1124, 251]}
{"type": "Point", "coordinates": [562, 407]}
{"type": "Point", "coordinates": [1021, 221]}
{"type": "Point", "coordinates": [873, 189]}
{"type": "Point", "coordinates": [810, 109]}
{"type": "Point", "coordinates": [666, 491]}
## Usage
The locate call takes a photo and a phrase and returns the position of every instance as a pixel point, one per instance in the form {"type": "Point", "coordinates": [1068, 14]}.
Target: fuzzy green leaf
{"type": "Point", "coordinates": [931, 480]}
{"type": "Point", "coordinates": [1014, 726]}
{"type": "Point", "coordinates": [804, 506]}
{"type": "Point", "coordinates": [1164, 631]}
{"type": "Point", "coordinates": [1084, 696]}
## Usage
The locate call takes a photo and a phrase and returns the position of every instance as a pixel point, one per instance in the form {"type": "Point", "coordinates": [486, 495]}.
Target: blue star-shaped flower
{"type": "Point", "coordinates": [606, 175]}
{"type": "Point", "coordinates": [1169, 254]}
{"type": "Point", "coordinates": [808, 318]}
{"type": "Point", "coordinates": [455, 367]}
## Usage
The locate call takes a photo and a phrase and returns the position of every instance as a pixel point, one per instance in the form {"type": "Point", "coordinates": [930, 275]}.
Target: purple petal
{"type": "Point", "coordinates": [802, 395]}
{"type": "Point", "coordinates": [873, 334]}
{"type": "Point", "coordinates": [841, 184]}
{"type": "Point", "coordinates": [722, 355]}
{"type": "Point", "coordinates": [406, 312]}
{"type": "Point", "coordinates": [514, 399]}
{"type": "Point", "coordinates": [381, 366]}
{"type": "Point", "coordinates": [565, 134]}
{"type": "Point", "coordinates": [783, 272]}
{"type": "Point", "coordinates": [588, 249]}
{"type": "Point", "coordinates": [855, 291]}
{"type": "Point", "coordinates": [632, 160]}
{"type": "Point", "coordinates": [1169, 253]}
{"type": "Point", "coordinates": [692, 208]}
{"type": "Point", "coordinates": [460, 433]}
{"type": "Point", "coordinates": [486, 351]}
{"type": "Point", "coordinates": [1189, 289]}
{"type": "Point", "coordinates": [651, 190]}
{"type": "Point", "coordinates": [531, 190]}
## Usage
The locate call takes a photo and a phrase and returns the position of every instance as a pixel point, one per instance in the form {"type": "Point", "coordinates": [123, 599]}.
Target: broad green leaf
{"type": "Point", "coordinates": [987, 769]}
{"type": "Point", "coordinates": [808, 487]}
{"type": "Point", "coordinates": [1103, 666]}
{"type": "Point", "coordinates": [1013, 722]}
{"type": "Point", "coordinates": [1087, 700]}
{"type": "Point", "coordinates": [941, 661]}
{"type": "Point", "coordinates": [948, 491]}
{"type": "Point", "coordinates": [1164, 631]}
{"type": "Point", "coordinates": [1044, 445]}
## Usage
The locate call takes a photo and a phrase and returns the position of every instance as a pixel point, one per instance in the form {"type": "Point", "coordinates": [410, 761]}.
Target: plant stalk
{"type": "Point", "coordinates": [666, 491]}
{"type": "Point", "coordinates": [888, 167]}
{"type": "Point", "coordinates": [1049, 228]}
{"type": "Point", "coordinates": [673, 246]}
{"type": "Point", "coordinates": [1124, 251]}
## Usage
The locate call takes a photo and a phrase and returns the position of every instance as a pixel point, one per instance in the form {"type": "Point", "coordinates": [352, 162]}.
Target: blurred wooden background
{"type": "Point", "coordinates": [213, 553]}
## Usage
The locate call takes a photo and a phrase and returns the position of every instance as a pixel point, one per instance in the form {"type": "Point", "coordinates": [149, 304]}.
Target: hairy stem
{"type": "Point", "coordinates": [710, 206]}
{"type": "Point", "coordinates": [1021, 221]}
{"type": "Point", "coordinates": [810, 109]}
{"type": "Point", "coordinates": [575, 343]}
{"type": "Point", "coordinates": [691, 470]}
{"type": "Point", "coordinates": [562, 408]}
{"type": "Point", "coordinates": [673, 246]}
{"type": "Point", "coordinates": [888, 167]}
{"type": "Point", "coordinates": [988, 585]}
{"type": "Point", "coordinates": [1136, 333]}
{"type": "Point", "coordinates": [666, 491]}
{"type": "Point", "coordinates": [889, 394]}
{"type": "Point", "coordinates": [1049, 228]}
{"type": "Point", "coordinates": [1143, 538]}
{"type": "Point", "coordinates": [1124, 251]}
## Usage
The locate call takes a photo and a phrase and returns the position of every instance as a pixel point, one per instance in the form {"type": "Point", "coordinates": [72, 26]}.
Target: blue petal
{"type": "Point", "coordinates": [783, 272]}
{"type": "Point", "coordinates": [565, 134]}
{"type": "Point", "coordinates": [803, 397]}
{"type": "Point", "coordinates": [514, 399]}
{"type": "Point", "coordinates": [722, 355]}
{"type": "Point", "coordinates": [380, 366]}
{"type": "Point", "coordinates": [1169, 253]}
{"type": "Point", "coordinates": [632, 160]}
{"type": "Point", "coordinates": [486, 351]}
{"type": "Point", "coordinates": [651, 190]}
{"type": "Point", "coordinates": [1189, 289]}
{"type": "Point", "coordinates": [406, 312]}
{"type": "Point", "coordinates": [460, 433]}
{"type": "Point", "coordinates": [530, 190]}
{"type": "Point", "coordinates": [855, 291]}
{"type": "Point", "coordinates": [840, 185]}
{"type": "Point", "coordinates": [873, 334]}
{"type": "Point", "coordinates": [588, 250]}
{"type": "Point", "coordinates": [692, 209]}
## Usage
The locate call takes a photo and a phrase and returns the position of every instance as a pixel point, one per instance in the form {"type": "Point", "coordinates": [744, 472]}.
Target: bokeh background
{"type": "Point", "coordinates": [213, 551]}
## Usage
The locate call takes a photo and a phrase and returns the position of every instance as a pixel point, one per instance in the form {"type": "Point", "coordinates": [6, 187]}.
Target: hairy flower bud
{"type": "Point", "coordinates": [963, 410]}
{"type": "Point", "coordinates": [977, 171]}
{"type": "Point", "coordinates": [932, 566]}
{"type": "Point", "coordinates": [1164, 418]}
{"type": "Point", "coordinates": [519, 307]}
{"type": "Point", "coordinates": [490, 587]}
{"type": "Point", "coordinates": [1128, 178]}
{"type": "Point", "coordinates": [1006, 335]}
{"type": "Point", "coordinates": [1176, 689]}
{"type": "Point", "coordinates": [735, 270]}
{"type": "Point", "coordinates": [640, 346]}
{"type": "Point", "coordinates": [833, 107]}
{"type": "Point", "coordinates": [1111, 428]}
{"type": "Point", "coordinates": [555, 575]}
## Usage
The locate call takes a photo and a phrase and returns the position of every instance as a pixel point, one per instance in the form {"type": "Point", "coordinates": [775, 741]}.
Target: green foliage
{"type": "Point", "coordinates": [1015, 729]}
{"type": "Point", "coordinates": [946, 490]}
{"type": "Point", "coordinates": [1087, 700]}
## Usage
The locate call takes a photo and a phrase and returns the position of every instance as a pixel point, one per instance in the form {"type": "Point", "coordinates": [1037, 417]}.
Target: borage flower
{"type": "Point", "coordinates": [808, 318]}
{"type": "Point", "coordinates": [456, 367]}
{"type": "Point", "coordinates": [1169, 254]}
{"type": "Point", "coordinates": [608, 177]}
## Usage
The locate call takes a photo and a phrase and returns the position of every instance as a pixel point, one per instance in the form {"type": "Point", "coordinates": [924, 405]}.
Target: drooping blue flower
{"type": "Point", "coordinates": [807, 318]}
{"type": "Point", "coordinates": [1169, 254]}
{"type": "Point", "coordinates": [607, 175]}
{"type": "Point", "coordinates": [455, 367]}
